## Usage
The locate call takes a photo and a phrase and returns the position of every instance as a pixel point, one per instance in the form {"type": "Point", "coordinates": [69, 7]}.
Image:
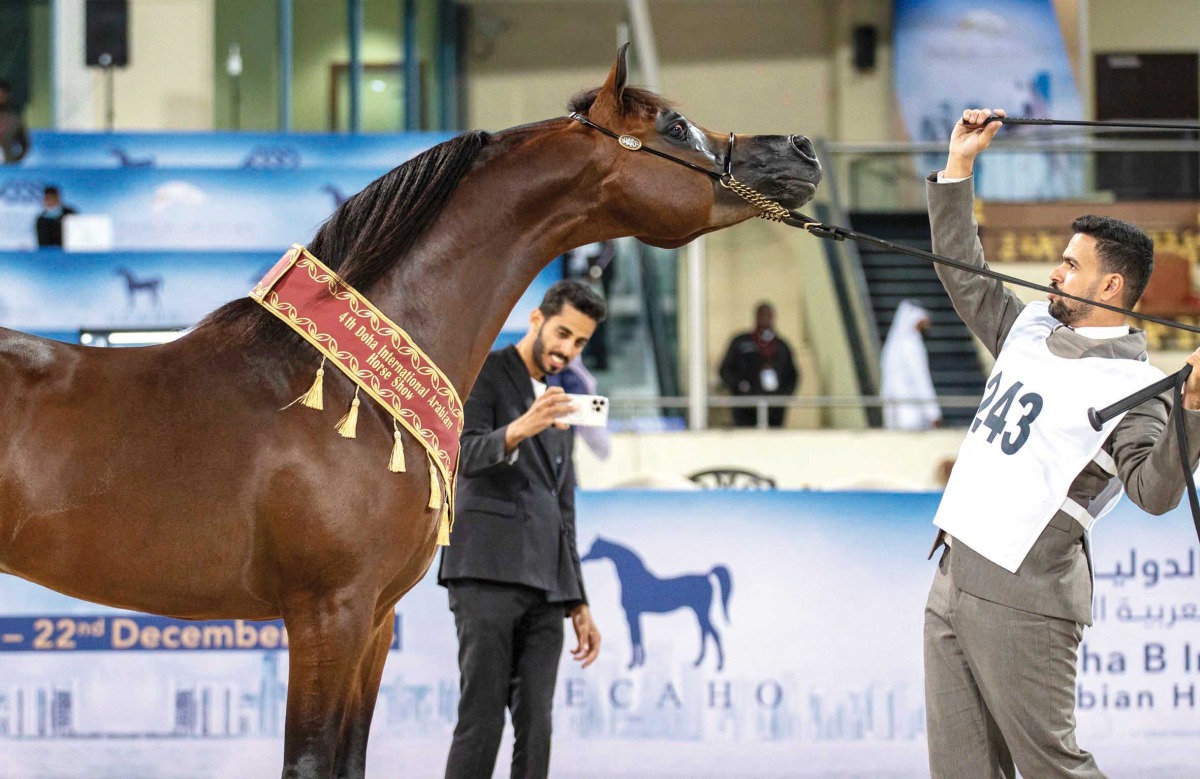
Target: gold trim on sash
{"type": "Point", "coordinates": [423, 377]}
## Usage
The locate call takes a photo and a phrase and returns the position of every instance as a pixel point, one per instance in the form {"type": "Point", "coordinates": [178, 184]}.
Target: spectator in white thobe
{"type": "Point", "coordinates": [905, 375]}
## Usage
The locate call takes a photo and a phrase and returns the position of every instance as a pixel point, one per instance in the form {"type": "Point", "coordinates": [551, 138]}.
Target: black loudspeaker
{"type": "Point", "coordinates": [865, 38]}
{"type": "Point", "coordinates": [107, 33]}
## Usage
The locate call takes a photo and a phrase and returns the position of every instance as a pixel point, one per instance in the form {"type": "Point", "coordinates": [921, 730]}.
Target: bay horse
{"type": "Point", "coordinates": [644, 593]}
{"type": "Point", "coordinates": [167, 479]}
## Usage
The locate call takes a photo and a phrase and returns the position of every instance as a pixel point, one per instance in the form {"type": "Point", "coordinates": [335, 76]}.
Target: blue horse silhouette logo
{"type": "Point", "coordinates": [644, 593]}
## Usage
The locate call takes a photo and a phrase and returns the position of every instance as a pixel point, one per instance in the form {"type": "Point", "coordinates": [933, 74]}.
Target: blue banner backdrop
{"type": "Point", "coordinates": [801, 657]}
{"type": "Point", "coordinates": [949, 55]}
{"type": "Point", "coordinates": [240, 150]}
{"type": "Point", "coordinates": [213, 210]}
{"type": "Point", "coordinates": [56, 294]}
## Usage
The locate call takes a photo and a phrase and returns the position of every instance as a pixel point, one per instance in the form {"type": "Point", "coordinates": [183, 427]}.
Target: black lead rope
{"type": "Point", "coordinates": [777, 213]}
{"type": "Point", "coordinates": [835, 233]}
{"type": "Point", "coordinates": [1175, 382]}
{"type": "Point", "coordinates": [1184, 451]}
{"type": "Point", "coordinates": [1086, 123]}
{"type": "Point", "coordinates": [1097, 418]}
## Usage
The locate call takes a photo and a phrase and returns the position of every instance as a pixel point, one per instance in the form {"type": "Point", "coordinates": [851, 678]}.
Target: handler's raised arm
{"type": "Point", "coordinates": [970, 137]}
{"type": "Point", "coordinates": [985, 305]}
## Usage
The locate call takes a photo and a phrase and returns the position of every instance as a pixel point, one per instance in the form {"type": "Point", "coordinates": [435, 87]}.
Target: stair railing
{"type": "Point", "coordinates": [850, 286]}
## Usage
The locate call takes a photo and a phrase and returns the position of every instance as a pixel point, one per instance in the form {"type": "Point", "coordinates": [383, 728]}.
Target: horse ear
{"type": "Point", "coordinates": [614, 87]}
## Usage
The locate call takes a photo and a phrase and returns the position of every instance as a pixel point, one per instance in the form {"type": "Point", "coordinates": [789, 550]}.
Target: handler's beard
{"type": "Point", "coordinates": [1071, 312]}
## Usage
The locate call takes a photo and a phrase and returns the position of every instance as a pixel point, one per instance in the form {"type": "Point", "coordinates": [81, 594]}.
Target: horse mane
{"type": "Point", "coordinates": [625, 553]}
{"type": "Point", "coordinates": [640, 102]}
{"type": "Point", "coordinates": [374, 230]}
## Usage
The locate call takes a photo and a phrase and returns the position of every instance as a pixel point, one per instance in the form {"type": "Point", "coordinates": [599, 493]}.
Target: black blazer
{"type": "Point", "coordinates": [514, 519]}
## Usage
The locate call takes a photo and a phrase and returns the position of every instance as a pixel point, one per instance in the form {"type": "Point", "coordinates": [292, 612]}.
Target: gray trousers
{"type": "Point", "coordinates": [509, 643]}
{"type": "Point", "coordinates": [999, 689]}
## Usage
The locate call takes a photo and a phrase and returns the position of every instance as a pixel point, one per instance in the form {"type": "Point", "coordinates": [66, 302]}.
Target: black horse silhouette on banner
{"type": "Point", "coordinates": [642, 592]}
{"type": "Point", "coordinates": [150, 286]}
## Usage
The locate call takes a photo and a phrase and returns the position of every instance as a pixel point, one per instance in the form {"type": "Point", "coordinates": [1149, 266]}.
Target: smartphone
{"type": "Point", "coordinates": [590, 411]}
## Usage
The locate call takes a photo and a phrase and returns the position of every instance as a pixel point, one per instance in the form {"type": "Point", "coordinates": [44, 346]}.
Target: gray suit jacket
{"type": "Point", "coordinates": [1055, 579]}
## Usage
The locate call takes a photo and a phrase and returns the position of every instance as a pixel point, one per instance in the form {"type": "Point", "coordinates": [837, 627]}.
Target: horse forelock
{"type": "Point", "coordinates": [640, 102]}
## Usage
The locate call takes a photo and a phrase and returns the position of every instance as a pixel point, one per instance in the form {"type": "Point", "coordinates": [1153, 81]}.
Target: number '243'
{"type": "Point", "coordinates": [993, 413]}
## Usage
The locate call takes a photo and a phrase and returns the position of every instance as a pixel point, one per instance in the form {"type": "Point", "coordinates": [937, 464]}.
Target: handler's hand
{"type": "Point", "coordinates": [553, 403]}
{"type": "Point", "coordinates": [1191, 390]}
{"type": "Point", "coordinates": [969, 139]}
{"type": "Point", "coordinates": [589, 637]}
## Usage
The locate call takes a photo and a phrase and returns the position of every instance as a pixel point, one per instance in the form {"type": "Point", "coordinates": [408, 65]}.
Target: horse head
{"type": "Point", "coordinates": [602, 549]}
{"type": "Point", "coordinates": [783, 168]}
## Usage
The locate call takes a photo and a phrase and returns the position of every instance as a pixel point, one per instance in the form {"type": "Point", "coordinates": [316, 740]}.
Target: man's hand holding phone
{"type": "Point", "coordinates": [547, 409]}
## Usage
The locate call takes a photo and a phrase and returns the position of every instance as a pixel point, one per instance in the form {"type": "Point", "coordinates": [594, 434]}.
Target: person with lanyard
{"type": "Point", "coordinates": [759, 363]}
{"type": "Point", "coordinates": [49, 224]}
{"type": "Point", "coordinates": [1013, 588]}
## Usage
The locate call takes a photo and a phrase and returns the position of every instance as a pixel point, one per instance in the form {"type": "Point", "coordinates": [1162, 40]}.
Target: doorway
{"type": "Point", "coordinates": [1146, 87]}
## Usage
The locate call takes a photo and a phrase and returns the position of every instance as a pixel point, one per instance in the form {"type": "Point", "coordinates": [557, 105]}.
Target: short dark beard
{"type": "Point", "coordinates": [539, 355]}
{"type": "Point", "coordinates": [1069, 312]}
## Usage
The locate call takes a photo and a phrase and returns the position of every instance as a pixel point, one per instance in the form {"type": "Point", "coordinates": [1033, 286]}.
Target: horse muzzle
{"type": "Point", "coordinates": [784, 168]}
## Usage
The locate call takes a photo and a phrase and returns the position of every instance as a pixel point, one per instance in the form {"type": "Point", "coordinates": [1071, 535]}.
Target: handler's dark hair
{"type": "Point", "coordinates": [1123, 248]}
{"type": "Point", "coordinates": [580, 295]}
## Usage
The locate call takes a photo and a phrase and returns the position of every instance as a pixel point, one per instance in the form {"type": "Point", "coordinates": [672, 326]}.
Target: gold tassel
{"type": "Point", "coordinates": [396, 464]}
{"type": "Point", "coordinates": [435, 488]}
{"type": "Point", "coordinates": [347, 427]}
{"type": "Point", "coordinates": [315, 397]}
{"type": "Point", "coordinates": [444, 527]}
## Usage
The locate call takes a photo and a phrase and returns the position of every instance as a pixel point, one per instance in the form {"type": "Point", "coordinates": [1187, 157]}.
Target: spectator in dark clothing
{"type": "Point", "coordinates": [49, 222]}
{"type": "Point", "coordinates": [14, 140]}
{"type": "Point", "coordinates": [593, 264]}
{"type": "Point", "coordinates": [759, 363]}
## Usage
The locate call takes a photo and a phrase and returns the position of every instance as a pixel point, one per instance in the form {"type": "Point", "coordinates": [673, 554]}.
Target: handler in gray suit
{"type": "Point", "coordinates": [1013, 588]}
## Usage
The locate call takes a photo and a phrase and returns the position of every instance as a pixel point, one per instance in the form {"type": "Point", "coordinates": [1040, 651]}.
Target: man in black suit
{"type": "Point", "coordinates": [512, 568]}
{"type": "Point", "coordinates": [50, 221]}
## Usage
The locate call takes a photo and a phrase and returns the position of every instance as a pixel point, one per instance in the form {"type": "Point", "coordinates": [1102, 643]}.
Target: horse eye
{"type": "Point", "coordinates": [677, 131]}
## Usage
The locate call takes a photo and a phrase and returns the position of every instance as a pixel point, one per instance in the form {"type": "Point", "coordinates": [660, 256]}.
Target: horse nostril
{"type": "Point", "coordinates": [804, 146]}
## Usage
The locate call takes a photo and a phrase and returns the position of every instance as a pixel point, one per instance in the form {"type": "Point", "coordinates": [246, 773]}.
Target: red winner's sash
{"type": "Point", "coordinates": [378, 356]}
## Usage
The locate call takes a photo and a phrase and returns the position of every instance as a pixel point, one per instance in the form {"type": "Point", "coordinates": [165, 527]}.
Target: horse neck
{"type": "Point", "coordinates": [518, 209]}
{"type": "Point", "coordinates": [626, 562]}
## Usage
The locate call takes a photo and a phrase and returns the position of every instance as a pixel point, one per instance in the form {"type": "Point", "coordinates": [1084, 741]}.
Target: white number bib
{"type": "Point", "coordinates": [1030, 439]}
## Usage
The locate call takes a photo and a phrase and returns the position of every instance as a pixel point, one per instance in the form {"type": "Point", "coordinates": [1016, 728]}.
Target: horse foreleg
{"type": "Point", "coordinates": [328, 635]}
{"type": "Point", "coordinates": [705, 629]}
{"type": "Point", "coordinates": [635, 639]}
{"type": "Point", "coordinates": [720, 649]}
{"type": "Point", "coordinates": [352, 751]}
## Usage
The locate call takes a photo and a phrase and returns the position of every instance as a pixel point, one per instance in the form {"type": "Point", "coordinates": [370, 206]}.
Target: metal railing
{"type": "Point", "coordinates": [850, 286]}
{"type": "Point", "coordinates": [624, 410]}
{"type": "Point", "coordinates": [891, 176]}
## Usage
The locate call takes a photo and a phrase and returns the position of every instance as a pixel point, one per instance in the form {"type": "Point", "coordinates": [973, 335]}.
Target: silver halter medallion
{"type": "Point", "coordinates": [629, 142]}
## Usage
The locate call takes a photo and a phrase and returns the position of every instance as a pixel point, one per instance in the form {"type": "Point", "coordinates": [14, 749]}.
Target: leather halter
{"type": "Point", "coordinates": [767, 208]}
{"type": "Point", "coordinates": [635, 144]}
